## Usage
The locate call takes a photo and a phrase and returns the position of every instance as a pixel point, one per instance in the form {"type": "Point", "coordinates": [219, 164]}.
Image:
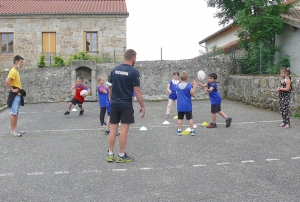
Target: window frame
{"type": "Point", "coordinates": [90, 33]}
{"type": "Point", "coordinates": [49, 42]}
{"type": "Point", "coordinates": [7, 43]}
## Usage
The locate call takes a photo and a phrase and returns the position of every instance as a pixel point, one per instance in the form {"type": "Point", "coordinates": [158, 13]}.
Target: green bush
{"type": "Point", "coordinates": [85, 56]}
{"type": "Point", "coordinates": [284, 62]}
{"type": "Point", "coordinates": [58, 61]}
{"type": "Point", "coordinates": [42, 61]}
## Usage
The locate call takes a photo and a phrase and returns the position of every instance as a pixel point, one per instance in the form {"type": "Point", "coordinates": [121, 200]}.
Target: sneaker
{"type": "Point", "coordinates": [193, 133]}
{"type": "Point", "coordinates": [20, 131]}
{"type": "Point", "coordinates": [103, 125]}
{"type": "Point", "coordinates": [212, 125]}
{"type": "Point", "coordinates": [106, 132]}
{"type": "Point", "coordinates": [228, 122]}
{"type": "Point", "coordinates": [117, 133]}
{"type": "Point", "coordinates": [281, 125]}
{"type": "Point", "coordinates": [124, 159]}
{"type": "Point", "coordinates": [166, 116]}
{"type": "Point", "coordinates": [16, 134]}
{"type": "Point", "coordinates": [178, 132]}
{"type": "Point", "coordinates": [110, 158]}
{"type": "Point", "coordinates": [287, 126]}
{"type": "Point", "coordinates": [81, 112]}
{"type": "Point", "coordinates": [67, 113]}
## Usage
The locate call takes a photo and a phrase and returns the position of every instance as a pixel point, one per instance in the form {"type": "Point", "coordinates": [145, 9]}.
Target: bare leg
{"type": "Point", "coordinates": [213, 117]}
{"type": "Point", "coordinates": [70, 105]}
{"type": "Point", "coordinates": [223, 114]}
{"type": "Point", "coordinates": [13, 122]}
{"type": "Point", "coordinates": [107, 123]}
{"type": "Point", "coordinates": [123, 136]}
{"type": "Point", "coordinates": [179, 123]}
{"type": "Point", "coordinates": [191, 123]}
{"type": "Point", "coordinates": [112, 136]}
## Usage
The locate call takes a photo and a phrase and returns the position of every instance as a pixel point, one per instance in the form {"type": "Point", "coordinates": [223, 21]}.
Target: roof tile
{"type": "Point", "coordinates": [17, 7]}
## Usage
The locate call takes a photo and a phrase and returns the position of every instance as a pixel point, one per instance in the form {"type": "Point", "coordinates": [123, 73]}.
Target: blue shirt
{"type": "Point", "coordinates": [214, 96]}
{"type": "Point", "coordinates": [184, 98]}
{"type": "Point", "coordinates": [102, 97]}
{"type": "Point", "coordinates": [172, 95]}
{"type": "Point", "coordinates": [123, 78]}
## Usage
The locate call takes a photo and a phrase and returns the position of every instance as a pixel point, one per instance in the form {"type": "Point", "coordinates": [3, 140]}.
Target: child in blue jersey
{"type": "Point", "coordinates": [215, 101]}
{"type": "Point", "coordinates": [172, 92]}
{"type": "Point", "coordinates": [185, 91]}
{"type": "Point", "coordinates": [102, 98]}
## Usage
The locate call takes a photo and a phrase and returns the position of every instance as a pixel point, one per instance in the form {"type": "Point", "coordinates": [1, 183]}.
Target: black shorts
{"type": "Point", "coordinates": [75, 102]}
{"type": "Point", "coordinates": [125, 115]}
{"type": "Point", "coordinates": [215, 108]}
{"type": "Point", "coordinates": [188, 115]}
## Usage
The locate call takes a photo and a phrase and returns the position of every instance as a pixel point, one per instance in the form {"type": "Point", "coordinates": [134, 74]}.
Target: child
{"type": "Point", "coordinates": [185, 91]}
{"type": "Point", "coordinates": [108, 112]}
{"type": "Point", "coordinates": [284, 96]}
{"type": "Point", "coordinates": [78, 99]}
{"type": "Point", "coordinates": [215, 101]}
{"type": "Point", "coordinates": [102, 98]}
{"type": "Point", "coordinates": [172, 92]}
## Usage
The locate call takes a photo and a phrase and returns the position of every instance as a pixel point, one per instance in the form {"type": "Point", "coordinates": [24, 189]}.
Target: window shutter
{"type": "Point", "coordinates": [84, 41]}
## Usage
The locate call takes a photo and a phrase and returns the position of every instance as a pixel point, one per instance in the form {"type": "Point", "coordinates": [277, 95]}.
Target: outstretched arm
{"type": "Point", "coordinates": [71, 88]}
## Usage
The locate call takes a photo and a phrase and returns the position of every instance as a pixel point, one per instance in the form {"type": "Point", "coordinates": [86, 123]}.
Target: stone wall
{"type": "Point", "coordinates": [260, 91]}
{"type": "Point", "coordinates": [51, 84]}
{"type": "Point", "coordinates": [69, 29]}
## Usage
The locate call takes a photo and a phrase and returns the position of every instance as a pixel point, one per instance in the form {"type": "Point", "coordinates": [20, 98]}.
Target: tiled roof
{"type": "Point", "coordinates": [293, 15]}
{"type": "Point", "coordinates": [25, 7]}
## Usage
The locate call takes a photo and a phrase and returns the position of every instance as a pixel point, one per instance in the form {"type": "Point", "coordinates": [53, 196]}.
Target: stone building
{"type": "Point", "coordinates": [61, 27]}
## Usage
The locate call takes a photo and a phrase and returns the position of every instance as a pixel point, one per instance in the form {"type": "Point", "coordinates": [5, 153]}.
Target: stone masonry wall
{"type": "Point", "coordinates": [51, 84]}
{"type": "Point", "coordinates": [69, 31]}
{"type": "Point", "coordinates": [260, 91]}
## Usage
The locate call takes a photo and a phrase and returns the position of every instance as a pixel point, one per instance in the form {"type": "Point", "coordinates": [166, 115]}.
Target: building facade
{"type": "Point", "coordinates": [30, 28]}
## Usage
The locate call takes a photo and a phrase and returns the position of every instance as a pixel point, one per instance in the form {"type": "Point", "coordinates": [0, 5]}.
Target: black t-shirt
{"type": "Point", "coordinates": [123, 78]}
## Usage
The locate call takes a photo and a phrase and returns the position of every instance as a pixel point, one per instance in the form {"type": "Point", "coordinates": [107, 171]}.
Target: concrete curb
{"type": "Point", "coordinates": [3, 108]}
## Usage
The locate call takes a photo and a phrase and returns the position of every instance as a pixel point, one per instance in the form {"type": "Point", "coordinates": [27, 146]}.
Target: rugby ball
{"type": "Point", "coordinates": [201, 75]}
{"type": "Point", "coordinates": [83, 92]}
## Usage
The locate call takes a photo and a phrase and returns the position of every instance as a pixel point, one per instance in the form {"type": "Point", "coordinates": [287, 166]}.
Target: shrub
{"type": "Point", "coordinates": [58, 61]}
{"type": "Point", "coordinates": [42, 61]}
{"type": "Point", "coordinates": [85, 56]}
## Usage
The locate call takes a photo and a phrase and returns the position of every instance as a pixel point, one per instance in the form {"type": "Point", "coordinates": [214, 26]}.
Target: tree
{"type": "Point", "coordinates": [260, 22]}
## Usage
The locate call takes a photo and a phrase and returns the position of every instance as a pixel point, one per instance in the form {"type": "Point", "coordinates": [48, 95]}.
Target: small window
{"type": "Point", "coordinates": [49, 42]}
{"type": "Point", "coordinates": [7, 41]}
{"type": "Point", "coordinates": [90, 41]}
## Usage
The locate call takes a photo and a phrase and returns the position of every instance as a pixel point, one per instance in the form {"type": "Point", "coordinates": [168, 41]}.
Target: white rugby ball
{"type": "Point", "coordinates": [201, 75]}
{"type": "Point", "coordinates": [83, 92]}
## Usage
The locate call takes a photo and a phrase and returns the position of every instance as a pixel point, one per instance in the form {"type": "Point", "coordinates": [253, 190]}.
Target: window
{"type": "Point", "coordinates": [90, 41]}
{"type": "Point", "coordinates": [49, 42]}
{"type": "Point", "coordinates": [7, 41]}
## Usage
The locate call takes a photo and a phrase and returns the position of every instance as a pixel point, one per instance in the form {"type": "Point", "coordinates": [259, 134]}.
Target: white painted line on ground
{"type": "Point", "coordinates": [248, 161]}
{"type": "Point", "coordinates": [7, 174]}
{"type": "Point", "coordinates": [22, 112]}
{"type": "Point", "coordinates": [35, 173]}
{"type": "Point", "coordinates": [223, 163]}
{"type": "Point", "coordinates": [91, 171]}
{"type": "Point", "coordinates": [61, 172]}
{"type": "Point", "coordinates": [295, 158]}
{"type": "Point", "coordinates": [33, 112]}
{"type": "Point", "coordinates": [145, 168]}
{"type": "Point", "coordinates": [199, 165]}
{"type": "Point", "coordinates": [46, 111]}
{"type": "Point", "coordinates": [272, 159]}
{"type": "Point", "coordinates": [60, 111]}
{"type": "Point", "coordinates": [119, 170]}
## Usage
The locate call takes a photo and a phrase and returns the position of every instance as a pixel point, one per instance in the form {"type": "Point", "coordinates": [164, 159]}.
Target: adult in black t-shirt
{"type": "Point", "coordinates": [124, 79]}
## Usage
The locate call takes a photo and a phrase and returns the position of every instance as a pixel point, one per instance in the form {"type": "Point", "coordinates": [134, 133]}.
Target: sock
{"type": "Point", "coordinates": [110, 152]}
{"type": "Point", "coordinates": [179, 129]}
{"type": "Point", "coordinates": [121, 154]}
{"type": "Point", "coordinates": [226, 118]}
{"type": "Point", "coordinates": [213, 122]}
{"type": "Point", "coordinates": [193, 129]}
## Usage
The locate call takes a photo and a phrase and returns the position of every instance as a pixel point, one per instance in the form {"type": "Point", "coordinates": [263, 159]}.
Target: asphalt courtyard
{"type": "Point", "coordinates": [62, 158]}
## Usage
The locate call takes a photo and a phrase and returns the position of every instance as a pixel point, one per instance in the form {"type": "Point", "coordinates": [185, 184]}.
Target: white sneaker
{"type": "Point", "coordinates": [16, 133]}
{"type": "Point", "coordinates": [21, 131]}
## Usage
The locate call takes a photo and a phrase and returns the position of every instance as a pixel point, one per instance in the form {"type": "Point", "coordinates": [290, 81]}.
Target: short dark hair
{"type": "Point", "coordinates": [129, 54]}
{"type": "Point", "coordinates": [213, 75]}
{"type": "Point", "coordinates": [79, 77]}
{"type": "Point", "coordinates": [176, 73]}
{"type": "Point", "coordinates": [17, 58]}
